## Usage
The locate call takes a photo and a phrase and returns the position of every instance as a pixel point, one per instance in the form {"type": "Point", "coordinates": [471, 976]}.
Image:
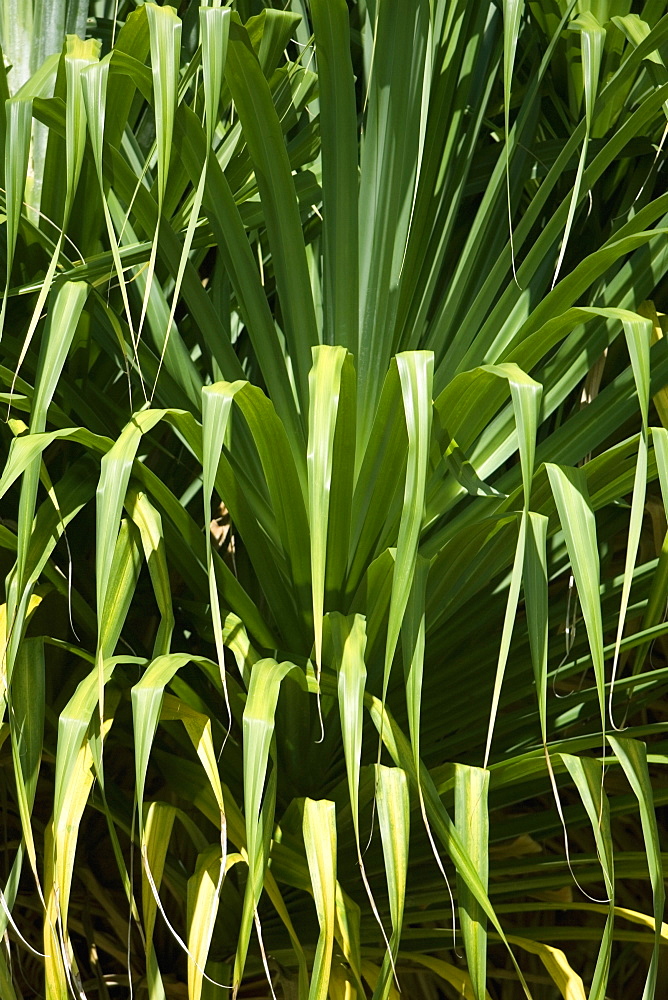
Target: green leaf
{"type": "Point", "coordinates": [472, 823]}
{"type": "Point", "coordinates": [338, 130]}
{"type": "Point", "coordinates": [413, 638]}
{"type": "Point", "coordinates": [394, 822]}
{"type": "Point", "coordinates": [389, 166]}
{"type": "Point", "coordinates": [258, 731]}
{"type": "Point", "coordinates": [56, 343]}
{"type": "Point", "coordinates": [214, 26]}
{"type": "Point", "coordinates": [148, 521]}
{"type": "Point", "coordinates": [320, 844]}
{"type": "Point", "coordinates": [264, 137]}
{"type": "Point", "coordinates": [26, 721]}
{"type": "Point", "coordinates": [588, 777]}
{"type": "Point", "coordinates": [632, 755]}
{"type": "Point", "coordinates": [638, 333]}
{"type": "Point", "coordinates": [512, 16]}
{"type": "Point", "coordinates": [203, 905]}
{"type": "Point", "coordinates": [324, 392]}
{"type": "Point", "coordinates": [348, 646]}
{"type": "Point", "coordinates": [165, 33]}
{"type": "Point", "coordinates": [415, 374]}
{"type": "Point", "coordinates": [17, 148]}
{"type": "Point", "coordinates": [536, 599]}
{"type": "Point", "coordinates": [593, 38]}
{"type": "Point", "coordinates": [216, 409]}
{"type": "Point", "coordinates": [569, 487]}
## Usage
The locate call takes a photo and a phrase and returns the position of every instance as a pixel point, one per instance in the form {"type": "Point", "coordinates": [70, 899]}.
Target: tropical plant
{"type": "Point", "coordinates": [334, 366]}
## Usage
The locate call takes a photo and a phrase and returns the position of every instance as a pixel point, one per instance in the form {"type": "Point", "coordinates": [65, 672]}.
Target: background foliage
{"type": "Point", "coordinates": [334, 501]}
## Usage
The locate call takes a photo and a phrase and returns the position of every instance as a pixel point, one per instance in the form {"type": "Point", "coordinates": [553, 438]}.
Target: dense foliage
{"type": "Point", "coordinates": [334, 499]}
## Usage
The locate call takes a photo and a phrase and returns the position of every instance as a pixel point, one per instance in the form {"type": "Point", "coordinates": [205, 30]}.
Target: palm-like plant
{"type": "Point", "coordinates": [336, 377]}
